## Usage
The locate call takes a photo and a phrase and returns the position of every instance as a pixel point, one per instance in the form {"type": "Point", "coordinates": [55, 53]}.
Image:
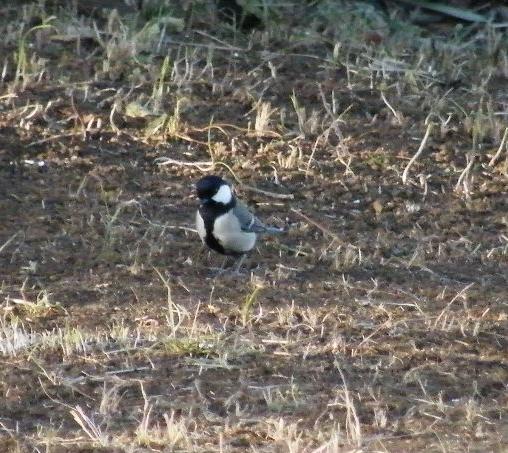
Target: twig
{"type": "Point", "coordinates": [87, 424]}
{"type": "Point", "coordinates": [352, 420]}
{"type": "Point", "coordinates": [325, 230]}
{"type": "Point", "coordinates": [281, 196]}
{"type": "Point", "coordinates": [8, 241]}
{"type": "Point", "coordinates": [223, 43]}
{"type": "Point", "coordinates": [112, 119]}
{"type": "Point", "coordinates": [54, 137]}
{"type": "Point", "coordinates": [173, 42]}
{"type": "Point", "coordinates": [209, 166]}
{"type": "Point", "coordinates": [171, 227]}
{"type": "Point", "coordinates": [162, 161]}
{"type": "Point", "coordinates": [464, 175]}
{"type": "Point", "coordinates": [314, 148]}
{"type": "Point", "coordinates": [189, 139]}
{"type": "Point", "coordinates": [395, 114]}
{"type": "Point", "coordinates": [454, 298]}
{"type": "Point", "coordinates": [128, 370]}
{"type": "Point", "coordinates": [417, 155]}
{"type": "Point", "coordinates": [9, 431]}
{"type": "Point", "coordinates": [500, 149]}
{"type": "Point", "coordinates": [78, 115]}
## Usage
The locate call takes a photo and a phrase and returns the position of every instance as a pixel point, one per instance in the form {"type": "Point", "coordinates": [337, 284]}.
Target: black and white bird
{"type": "Point", "coordinates": [223, 222]}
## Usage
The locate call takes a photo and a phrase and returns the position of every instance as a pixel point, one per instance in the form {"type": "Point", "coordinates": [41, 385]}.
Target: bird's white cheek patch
{"type": "Point", "coordinates": [223, 195]}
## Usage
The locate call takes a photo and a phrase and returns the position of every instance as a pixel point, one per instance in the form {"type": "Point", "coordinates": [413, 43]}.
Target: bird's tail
{"type": "Point", "coordinates": [273, 230]}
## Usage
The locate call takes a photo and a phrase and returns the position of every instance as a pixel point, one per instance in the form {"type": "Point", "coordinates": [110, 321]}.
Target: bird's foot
{"type": "Point", "coordinates": [229, 272]}
{"type": "Point", "coordinates": [233, 271]}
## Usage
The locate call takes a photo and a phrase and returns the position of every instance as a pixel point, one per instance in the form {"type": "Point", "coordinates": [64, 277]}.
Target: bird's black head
{"type": "Point", "coordinates": [214, 188]}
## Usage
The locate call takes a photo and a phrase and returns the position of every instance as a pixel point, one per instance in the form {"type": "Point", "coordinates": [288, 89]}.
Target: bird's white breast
{"type": "Point", "coordinates": [228, 232]}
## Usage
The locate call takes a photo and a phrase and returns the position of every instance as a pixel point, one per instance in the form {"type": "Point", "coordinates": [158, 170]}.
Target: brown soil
{"type": "Point", "coordinates": [396, 299]}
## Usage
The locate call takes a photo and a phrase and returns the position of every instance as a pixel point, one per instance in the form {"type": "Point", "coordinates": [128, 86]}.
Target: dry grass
{"type": "Point", "coordinates": [378, 323]}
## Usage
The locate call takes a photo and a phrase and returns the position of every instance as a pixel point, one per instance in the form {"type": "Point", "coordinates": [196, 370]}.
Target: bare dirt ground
{"type": "Point", "coordinates": [378, 323]}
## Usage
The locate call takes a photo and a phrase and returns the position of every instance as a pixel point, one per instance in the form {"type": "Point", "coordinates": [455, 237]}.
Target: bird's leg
{"type": "Point", "coordinates": [233, 271]}
{"type": "Point", "coordinates": [239, 263]}
{"type": "Point", "coordinates": [217, 271]}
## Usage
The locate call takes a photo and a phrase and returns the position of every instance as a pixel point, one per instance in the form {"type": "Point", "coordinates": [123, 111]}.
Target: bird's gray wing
{"type": "Point", "coordinates": [249, 222]}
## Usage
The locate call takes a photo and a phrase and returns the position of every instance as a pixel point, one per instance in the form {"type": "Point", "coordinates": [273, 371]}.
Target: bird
{"type": "Point", "coordinates": [224, 223]}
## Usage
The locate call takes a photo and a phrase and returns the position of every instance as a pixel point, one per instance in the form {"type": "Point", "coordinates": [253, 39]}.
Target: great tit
{"type": "Point", "coordinates": [223, 222]}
